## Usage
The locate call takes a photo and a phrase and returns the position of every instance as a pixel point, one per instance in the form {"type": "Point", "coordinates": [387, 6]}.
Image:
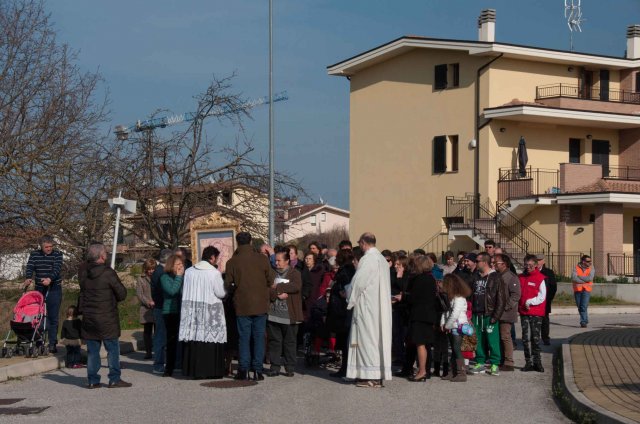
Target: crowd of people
{"type": "Point", "coordinates": [362, 309]}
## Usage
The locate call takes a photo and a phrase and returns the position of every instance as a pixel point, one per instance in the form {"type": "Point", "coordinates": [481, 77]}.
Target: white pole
{"type": "Point", "coordinates": [115, 239]}
{"type": "Point", "coordinates": [271, 170]}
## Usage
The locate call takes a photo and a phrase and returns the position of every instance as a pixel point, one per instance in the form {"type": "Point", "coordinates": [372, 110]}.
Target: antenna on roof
{"type": "Point", "coordinates": [573, 14]}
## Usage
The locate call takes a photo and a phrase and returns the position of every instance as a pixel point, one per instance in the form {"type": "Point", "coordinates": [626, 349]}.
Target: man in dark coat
{"type": "Point", "coordinates": [250, 276]}
{"type": "Point", "coordinates": [100, 292]}
{"type": "Point", "coordinates": [552, 287]}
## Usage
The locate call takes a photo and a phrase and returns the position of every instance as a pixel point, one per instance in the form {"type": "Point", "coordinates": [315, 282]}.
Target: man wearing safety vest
{"type": "Point", "coordinates": [582, 279]}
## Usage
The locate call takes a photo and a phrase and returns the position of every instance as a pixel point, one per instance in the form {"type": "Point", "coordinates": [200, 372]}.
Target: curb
{"type": "Point", "coordinates": [577, 399]}
{"type": "Point", "coordinates": [51, 363]}
{"type": "Point", "coordinates": [605, 310]}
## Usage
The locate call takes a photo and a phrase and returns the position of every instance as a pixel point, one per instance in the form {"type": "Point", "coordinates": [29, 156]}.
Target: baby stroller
{"type": "Point", "coordinates": [29, 324]}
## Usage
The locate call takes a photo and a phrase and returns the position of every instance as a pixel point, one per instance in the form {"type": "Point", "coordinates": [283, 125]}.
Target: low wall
{"type": "Point", "coordinates": [626, 292]}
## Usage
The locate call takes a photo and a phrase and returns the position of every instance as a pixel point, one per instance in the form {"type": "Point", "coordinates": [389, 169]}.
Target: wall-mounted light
{"type": "Point", "coordinates": [579, 230]}
{"type": "Point", "coordinates": [589, 136]}
{"type": "Point", "coordinates": [473, 143]}
{"type": "Point", "coordinates": [503, 129]}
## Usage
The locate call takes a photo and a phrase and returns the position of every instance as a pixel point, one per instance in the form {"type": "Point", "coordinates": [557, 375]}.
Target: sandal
{"type": "Point", "coordinates": [374, 384]}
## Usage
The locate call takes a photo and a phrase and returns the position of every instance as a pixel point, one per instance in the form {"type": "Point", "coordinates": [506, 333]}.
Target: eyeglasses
{"type": "Point", "coordinates": [531, 265]}
{"type": "Point", "coordinates": [498, 263]}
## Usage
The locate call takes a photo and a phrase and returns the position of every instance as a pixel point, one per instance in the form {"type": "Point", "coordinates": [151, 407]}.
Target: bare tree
{"type": "Point", "coordinates": [48, 130]}
{"type": "Point", "coordinates": [178, 178]}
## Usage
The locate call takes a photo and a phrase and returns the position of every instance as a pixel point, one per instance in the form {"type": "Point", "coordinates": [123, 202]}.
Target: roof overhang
{"type": "Point", "coordinates": [563, 116]}
{"type": "Point", "coordinates": [627, 199]}
{"type": "Point", "coordinates": [476, 48]}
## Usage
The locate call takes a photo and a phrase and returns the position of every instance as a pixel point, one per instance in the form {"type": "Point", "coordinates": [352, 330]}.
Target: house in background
{"type": "Point", "coordinates": [295, 220]}
{"type": "Point", "coordinates": [440, 120]}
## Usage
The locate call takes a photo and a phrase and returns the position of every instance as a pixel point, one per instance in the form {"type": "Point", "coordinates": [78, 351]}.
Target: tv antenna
{"type": "Point", "coordinates": [573, 14]}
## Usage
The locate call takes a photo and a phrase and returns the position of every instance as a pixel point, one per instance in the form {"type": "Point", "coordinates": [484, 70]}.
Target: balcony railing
{"type": "Point", "coordinates": [622, 173]}
{"type": "Point", "coordinates": [533, 182]}
{"type": "Point", "coordinates": [576, 92]}
{"type": "Point", "coordinates": [623, 264]}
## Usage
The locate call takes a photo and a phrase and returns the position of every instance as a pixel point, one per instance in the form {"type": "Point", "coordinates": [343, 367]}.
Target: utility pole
{"type": "Point", "coordinates": [272, 237]}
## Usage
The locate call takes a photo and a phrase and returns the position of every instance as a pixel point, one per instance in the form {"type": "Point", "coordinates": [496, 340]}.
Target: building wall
{"type": "Point", "coordinates": [395, 114]}
{"type": "Point", "coordinates": [579, 241]}
{"type": "Point", "coordinates": [306, 225]}
{"type": "Point", "coordinates": [544, 220]}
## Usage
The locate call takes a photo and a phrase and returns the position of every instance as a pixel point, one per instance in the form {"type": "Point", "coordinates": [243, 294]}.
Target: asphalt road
{"type": "Point", "coordinates": [312, 397]}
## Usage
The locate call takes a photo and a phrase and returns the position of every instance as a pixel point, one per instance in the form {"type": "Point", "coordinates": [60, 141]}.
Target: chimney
{"type": "Point", "coordinates": [487, 26]}
{"type": "Point", "coordinates": [633, 42]}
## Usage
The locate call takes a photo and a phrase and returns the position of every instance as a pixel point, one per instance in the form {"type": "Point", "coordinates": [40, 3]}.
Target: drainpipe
{"type": "Point", "coordinates": [477, 127]}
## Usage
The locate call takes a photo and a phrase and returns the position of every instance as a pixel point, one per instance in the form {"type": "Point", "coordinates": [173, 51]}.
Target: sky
{"type": "Point", "coordinates": [160, 54]}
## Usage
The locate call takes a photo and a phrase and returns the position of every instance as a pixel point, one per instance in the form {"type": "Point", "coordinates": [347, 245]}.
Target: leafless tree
{"type": "Point", "coordinates": [49, 114]}
{"type": "Point", "coordinates": [185, 175]}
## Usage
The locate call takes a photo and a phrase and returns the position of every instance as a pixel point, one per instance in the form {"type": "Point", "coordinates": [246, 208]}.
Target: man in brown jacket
{"type": "Point", "coordinates": [509, 292]}
{"type": "Point", "coordinates": [249, 276]}
{"type": "Point", "coordinates": [285, 315]}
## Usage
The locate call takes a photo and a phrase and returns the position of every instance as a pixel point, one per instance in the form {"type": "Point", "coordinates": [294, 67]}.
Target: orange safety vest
{"type": "Point", "coordinates": [588, 286]}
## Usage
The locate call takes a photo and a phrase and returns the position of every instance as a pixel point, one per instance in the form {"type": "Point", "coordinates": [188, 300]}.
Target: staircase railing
{"type": "Point", "coordinates": [531, 241]}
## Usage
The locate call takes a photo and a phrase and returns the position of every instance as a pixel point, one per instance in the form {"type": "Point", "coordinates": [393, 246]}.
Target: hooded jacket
{"type": "Point", "coordinates": [100, 292]}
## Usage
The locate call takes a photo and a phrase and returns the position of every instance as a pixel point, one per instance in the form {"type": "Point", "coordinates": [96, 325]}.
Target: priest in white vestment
{"type": "Point", "coordinates": [370, 337]}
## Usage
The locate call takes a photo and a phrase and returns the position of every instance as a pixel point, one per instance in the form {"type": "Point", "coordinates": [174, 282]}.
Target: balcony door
{"type": "Point", "coordinates": [600, 155]}
{"type": "Point", "coordinates": [587, 84]}
{"type": "Point", "coordinates": [604, 85]}
{"type": "Point", "coordinates": [636, 245]}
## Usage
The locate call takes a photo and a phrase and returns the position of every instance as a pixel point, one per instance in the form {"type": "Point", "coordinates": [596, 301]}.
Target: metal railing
{"type": "Point", "coordinates": [595, 93]}
{"type": "Point", "coordinates": [512, 234]}
{"type": "Point", "coordinates": [623, 173]}
{"type": "Point", "coordinates": [564, 263]}
{"type": "Point", "coordinates": [623, 264]}
{"type": "Point", "coordinates": [512, 184]}
{"type": "Point", "coordinates": [437, 243]}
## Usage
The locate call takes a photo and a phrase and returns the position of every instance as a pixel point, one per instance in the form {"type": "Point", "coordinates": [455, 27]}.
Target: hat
{"type": "Point", "coordinates": [540, 257]}
{"type": "Point", "coordinates": [471, 256]}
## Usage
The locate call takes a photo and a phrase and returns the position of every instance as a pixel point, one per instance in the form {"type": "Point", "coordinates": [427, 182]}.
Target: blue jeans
{"type": "Point", "coordinates": [582, 302]}
{"type": "Point", "coordinates": [251, 329]}
{"type": "Point", "coordinates": [93, 360]}
{"type": "Point", "coordinates": [54, 298]}
{"type": "Point", "coordinates": [159, 341]}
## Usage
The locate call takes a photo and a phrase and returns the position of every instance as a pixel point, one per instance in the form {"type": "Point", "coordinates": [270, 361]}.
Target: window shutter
{"type": "Point", "coordinates": [439, 154]}
{"type": "Point", "coordinates": [456, 74]}
{"type": "Point", "coordinates": [637, 82]}
{"type": "Point", "coordinates": [441, 77]}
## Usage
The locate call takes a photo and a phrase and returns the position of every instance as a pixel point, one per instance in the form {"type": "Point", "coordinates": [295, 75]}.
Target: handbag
{"type": "Point", "coordinates": [469, 343]}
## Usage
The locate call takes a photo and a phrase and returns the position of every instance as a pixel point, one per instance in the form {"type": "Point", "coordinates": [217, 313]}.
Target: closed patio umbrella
{"type": "Point", "coordinates": [522, 157]}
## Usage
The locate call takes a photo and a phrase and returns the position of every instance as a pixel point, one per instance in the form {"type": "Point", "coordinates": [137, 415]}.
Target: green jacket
{"type": "Point", "coordinates": [172, 292]}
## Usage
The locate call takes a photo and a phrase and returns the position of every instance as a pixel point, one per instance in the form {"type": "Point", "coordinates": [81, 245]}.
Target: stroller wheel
{"type": "Point", "coordinates": [41, 350]}
{"type": "Point", "coordinates": [3, 353]}
{"type": "Point", "coordinates": [45, 350]}
{"type": "Point", "coordinates": [36, 352]}
{"type": "Point", "coordinates": [29, 352]}
{"type": "Point", "coordinates": [9, 353]}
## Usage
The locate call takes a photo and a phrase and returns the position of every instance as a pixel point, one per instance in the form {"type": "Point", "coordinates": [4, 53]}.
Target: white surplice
{"type": "Point", "coordinates": [202, 313]}
{"type": "Point", "coordinates": [370, 336]}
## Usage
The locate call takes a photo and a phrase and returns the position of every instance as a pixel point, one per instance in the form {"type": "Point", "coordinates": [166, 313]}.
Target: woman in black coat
{"type": "Point", "coordinates": [421, 300]}
{"type": "Point", "coordinates": [338, 317]}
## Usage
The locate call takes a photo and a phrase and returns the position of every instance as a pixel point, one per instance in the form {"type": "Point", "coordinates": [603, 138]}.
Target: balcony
{"type": "Point", "coordinates": [534, 182]}
{"type": "Point", "coordinates": [570, 96]}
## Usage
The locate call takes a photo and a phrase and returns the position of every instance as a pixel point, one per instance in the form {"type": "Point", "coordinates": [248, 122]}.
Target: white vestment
{"type": "Point", "coordinates": [202, 314]}
{"type": "Point", "coordinates": [370, 336]}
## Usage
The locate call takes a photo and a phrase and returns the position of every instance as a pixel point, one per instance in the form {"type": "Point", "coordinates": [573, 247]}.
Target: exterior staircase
{"type": "Point", "coordinates": [481, 221]}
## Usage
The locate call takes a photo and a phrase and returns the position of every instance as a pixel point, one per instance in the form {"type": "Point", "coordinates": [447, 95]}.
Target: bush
{"type": "Point", "coordinates": [600, 280]}
{"type": "Point", "coordinates": [136, 270]}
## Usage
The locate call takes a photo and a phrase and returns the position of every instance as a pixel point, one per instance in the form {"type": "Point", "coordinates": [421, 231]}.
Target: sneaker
{"type": "Point", "coordinates": [494, 371]}
{"type": "Point", "coordinates": [477, 369]}
{"type": "Point", "coordinates": [158, 371]}
{"type": "Point", "coordinates": [119, 384]}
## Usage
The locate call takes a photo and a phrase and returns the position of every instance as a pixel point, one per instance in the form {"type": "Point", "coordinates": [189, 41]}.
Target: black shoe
{"type": "Point", "coordinates": [119, 384]}
{"type": "Point", "coordinates": [538, 367]}
{"type": "Point", "coordinates": [338, 374]}
{"type": "Point", "coordinates": [403, 373]}
{"type": "Point", "coordinates": [54, 349]}
{"type": "Point", "coordinates": [257, 376]}
{"type": "Point", "coordinates": [94, 386]}
{"type": "Point", "coordinates": [583, 325]}
{"type": "Point", "coordinates": [272, 373]}
{"type": "Point", "coordinates": [241, 375]}
{"type": "Point", "coordinates": [147, 356]}
{"type": "Point", "coordinates": [546, 342]}
{"type": "Point", "coordinates": [288, 373]}
{"type": "Point", "coordinates": [527, 368]}
{"type": "Point", "coordinates": [423, 378]}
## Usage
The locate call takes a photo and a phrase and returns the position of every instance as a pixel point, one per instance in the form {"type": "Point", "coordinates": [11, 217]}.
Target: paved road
{"type": "Point", "coordinates": [310, 398]}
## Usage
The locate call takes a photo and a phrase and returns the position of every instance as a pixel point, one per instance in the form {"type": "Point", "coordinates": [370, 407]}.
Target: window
{"type": "Point", "coordinates": [313, 220]}
{"type": "Point", "coordinates": [637, 82]}
{"type": "Point", "coordinates": [226, 197]}
{"type": "Point", "coordinates": [447, 76]}
{"type": "Point", "coordinates": [323, 217]}
{"type": "Point", "coordinates": [440, 154]}
{"type": "Point", "coordinates": [445, 154]}
{"type": "Point", "coordinates": [574, 150]}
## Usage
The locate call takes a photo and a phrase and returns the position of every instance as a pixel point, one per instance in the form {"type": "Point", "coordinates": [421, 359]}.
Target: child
{"type": "Point", "coordinates": [457, 291]}
{"type": "Point", "coordinates": [71, 338]}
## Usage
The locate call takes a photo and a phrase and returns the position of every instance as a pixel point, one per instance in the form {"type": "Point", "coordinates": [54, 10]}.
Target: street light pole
{"type": "Point", "coordinates": [271, 172]}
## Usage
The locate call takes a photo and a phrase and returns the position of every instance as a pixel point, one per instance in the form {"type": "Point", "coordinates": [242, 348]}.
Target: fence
{"type": "Point", "coordinates": [576, 92]}
{"type": "Point", "coordinates": [533, 182]}
{"type": "Point", "coordinates": [624, 264]}
{"type": "Point", "coordinates": [563, 264]}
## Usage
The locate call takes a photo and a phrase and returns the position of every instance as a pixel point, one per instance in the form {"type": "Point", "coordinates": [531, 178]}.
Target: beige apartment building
{"type": "Point", "coordinates": [435, 127]}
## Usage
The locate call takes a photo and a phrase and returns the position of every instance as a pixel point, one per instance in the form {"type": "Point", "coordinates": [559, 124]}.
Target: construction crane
{"type": "Point", "coordinates": [123, 132]}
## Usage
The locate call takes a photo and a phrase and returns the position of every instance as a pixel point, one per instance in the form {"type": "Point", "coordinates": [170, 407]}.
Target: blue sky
{"type": "Point", "coordinates": [158, 55]}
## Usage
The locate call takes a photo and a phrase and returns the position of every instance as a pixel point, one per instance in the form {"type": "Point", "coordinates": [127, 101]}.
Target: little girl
{"type": "Point", "coordinates": [71, 338]}
{"type": "Point", "coordinates": [457, 291]}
